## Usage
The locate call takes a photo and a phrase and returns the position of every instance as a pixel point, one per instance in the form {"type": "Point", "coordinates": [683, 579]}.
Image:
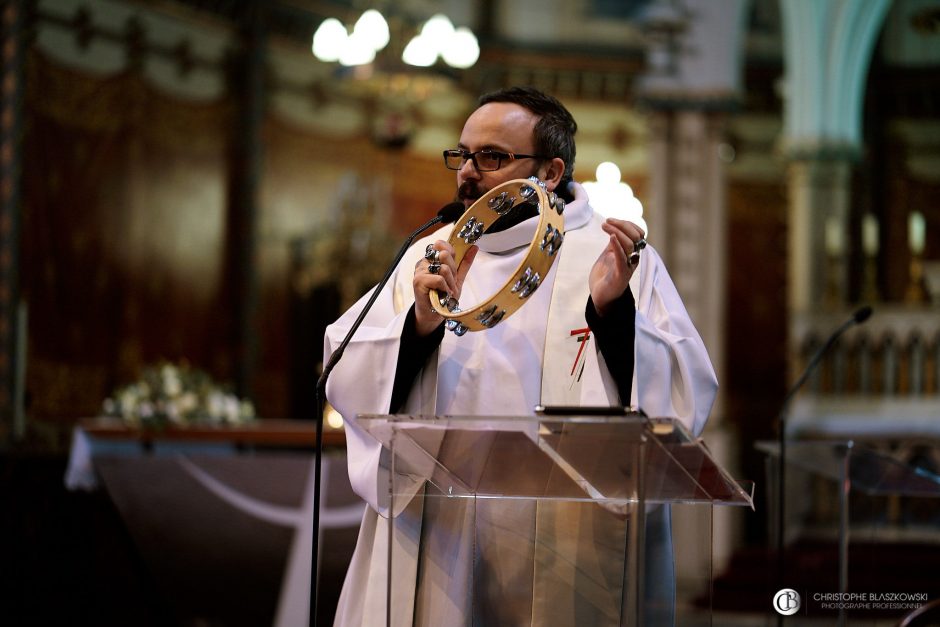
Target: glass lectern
{"type": "Point", "coordinates": [546, 519]}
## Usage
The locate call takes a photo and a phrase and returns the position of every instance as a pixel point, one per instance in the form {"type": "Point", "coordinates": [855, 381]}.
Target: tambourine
{"type": "Point", "coordinates": [528, 275]}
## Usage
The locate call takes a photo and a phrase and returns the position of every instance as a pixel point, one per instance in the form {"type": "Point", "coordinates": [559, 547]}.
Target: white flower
{"type": "Point", "coordinates": [171, 381]}
{"type": "Point", "coordinates": [173, 413]}
{"type": "Point", "coordinates": [216, 409]}
{"type": "Point", "coordinates": [177, 395]}
{"type": "Point", "coordinates": [231, 409]}
{"type": "Point", "coordinates": [188, 402]}
{"type": "Point", "coordinates": [145, 409]}
{"type": "Point", "coordinates": [128, 400]}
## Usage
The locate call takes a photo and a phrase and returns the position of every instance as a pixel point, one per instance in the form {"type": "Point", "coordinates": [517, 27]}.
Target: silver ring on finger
{"type": "Point", "coordinates": [431, 254]}
{"type": "Point", "coordinates": [634, 257]}
{"type": "Point", "coordinates": [434, 267]}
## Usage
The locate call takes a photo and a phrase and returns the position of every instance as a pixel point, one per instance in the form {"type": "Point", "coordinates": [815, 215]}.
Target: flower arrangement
{"type": "Point", "coordinates": [176, 395]}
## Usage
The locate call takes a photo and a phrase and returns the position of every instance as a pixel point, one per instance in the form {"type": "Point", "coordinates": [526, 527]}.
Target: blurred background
{"type": "Point", "coordinates": [208, 183]}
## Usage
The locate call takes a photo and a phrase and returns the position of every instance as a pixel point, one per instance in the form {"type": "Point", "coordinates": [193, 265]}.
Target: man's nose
{"type": "Point", "coordinates": [468, 170]}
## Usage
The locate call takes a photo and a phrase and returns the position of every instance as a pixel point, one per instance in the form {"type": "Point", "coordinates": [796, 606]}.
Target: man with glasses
{"type": "Point", "coordinates": [605, 327]}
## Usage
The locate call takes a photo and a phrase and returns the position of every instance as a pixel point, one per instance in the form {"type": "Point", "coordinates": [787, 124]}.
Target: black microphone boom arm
{"type": "Point", "coordinates": [859, 316]}
{"type": "Point", "coordinates": [448, 214]}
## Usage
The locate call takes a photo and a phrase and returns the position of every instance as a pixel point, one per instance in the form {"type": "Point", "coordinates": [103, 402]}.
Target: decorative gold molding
{"type": "Point", "coordinates": [126, 101]}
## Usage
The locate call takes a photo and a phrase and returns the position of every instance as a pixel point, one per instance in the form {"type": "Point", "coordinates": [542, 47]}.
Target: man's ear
{"type": "Point", "coordinates": [551, 172]}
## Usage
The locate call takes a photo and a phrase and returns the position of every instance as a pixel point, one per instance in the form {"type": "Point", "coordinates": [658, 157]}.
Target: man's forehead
{"type": "Point", "coordinates": [500, 123]}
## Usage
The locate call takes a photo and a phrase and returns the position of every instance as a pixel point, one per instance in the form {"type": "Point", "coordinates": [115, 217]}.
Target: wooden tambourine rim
{"type": "Point", "coordinates": [539, 258]}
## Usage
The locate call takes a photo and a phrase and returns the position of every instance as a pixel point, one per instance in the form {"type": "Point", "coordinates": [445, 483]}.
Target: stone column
{"type": "Point", "coordinates": [818, 191]}
{"type": "Point", "coordinates": [12, 86]}
{"type": "Point", "coordinates": [687, 215]}
{"type": "Point", "coordinates": [247, 84]}
{"type": "Point", "coordinates": [693, 80]}
{"type": "Point", "coordinates": [827, 51]}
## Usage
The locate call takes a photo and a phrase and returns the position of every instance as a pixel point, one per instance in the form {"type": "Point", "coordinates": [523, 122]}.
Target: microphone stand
{"type": "Point", "coordinates": [450, 213]}
{"type": "Point", "coordinates": [861, 315]}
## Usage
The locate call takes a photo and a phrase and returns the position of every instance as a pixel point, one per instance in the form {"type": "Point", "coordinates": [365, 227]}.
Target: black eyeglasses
{"type": "Point", "coordinates": [483, 160]}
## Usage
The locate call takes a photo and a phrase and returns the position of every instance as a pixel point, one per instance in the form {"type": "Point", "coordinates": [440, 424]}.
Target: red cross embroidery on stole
{"type": "Point", "coordinates": [584, 335]}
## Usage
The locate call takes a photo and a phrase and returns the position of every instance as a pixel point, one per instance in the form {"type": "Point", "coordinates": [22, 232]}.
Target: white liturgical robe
{"type": "Point", "coordinates": [537, 356]}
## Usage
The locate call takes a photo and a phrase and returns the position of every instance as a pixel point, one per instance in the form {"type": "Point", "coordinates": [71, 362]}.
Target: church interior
{"type": "Point", "coordinates": [192, 190]}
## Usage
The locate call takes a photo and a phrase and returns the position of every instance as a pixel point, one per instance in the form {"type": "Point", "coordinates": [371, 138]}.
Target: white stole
{"type": "Point", "coordinates": [573, 371]}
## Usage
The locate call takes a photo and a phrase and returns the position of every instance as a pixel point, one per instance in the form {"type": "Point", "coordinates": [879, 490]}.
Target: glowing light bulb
{"type": "Point", "coordinates": [356, 54]}
{"type": "Point", "coordinates": [372, 29]}
{"type": "Point", "coordinates": [463, 50]}
{"type": "Point", "coordinates": [420, 52]}
{"type": "Point", "coordinates": [333, 419]}
{"type": "Point", "coordinates": [612, 198]}
{"type": "Point", "coordinates": [607, 173]}
{"type": "Point", "coordinates": [916, 232]}
{"type": "Point", "coordinates": [329, 40]}
{"type": "Point", "coordinates": [870, 234]}
{"type": "Point", "coordinates": [438, 29]}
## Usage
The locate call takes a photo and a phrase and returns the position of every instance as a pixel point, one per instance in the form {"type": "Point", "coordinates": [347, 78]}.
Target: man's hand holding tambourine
{"type": "Point", "coordinates": [437, 271]}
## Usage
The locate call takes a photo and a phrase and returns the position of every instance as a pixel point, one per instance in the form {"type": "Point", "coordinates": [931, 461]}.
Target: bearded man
{"type": "Point", "coordinates": [639, 348]}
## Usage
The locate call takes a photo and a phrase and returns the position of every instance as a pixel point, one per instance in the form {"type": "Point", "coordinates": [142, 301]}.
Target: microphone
{"type": "Point", "coordinates": [858, 317]}
{"type": "Point", "coordinates": [448, 214]}
{"type": "Point", "coordinates": [861, 315]}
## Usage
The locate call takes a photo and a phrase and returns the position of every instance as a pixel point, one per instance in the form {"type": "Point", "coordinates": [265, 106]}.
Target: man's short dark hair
{"type": "Point", "coordinates": [555, 129]}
